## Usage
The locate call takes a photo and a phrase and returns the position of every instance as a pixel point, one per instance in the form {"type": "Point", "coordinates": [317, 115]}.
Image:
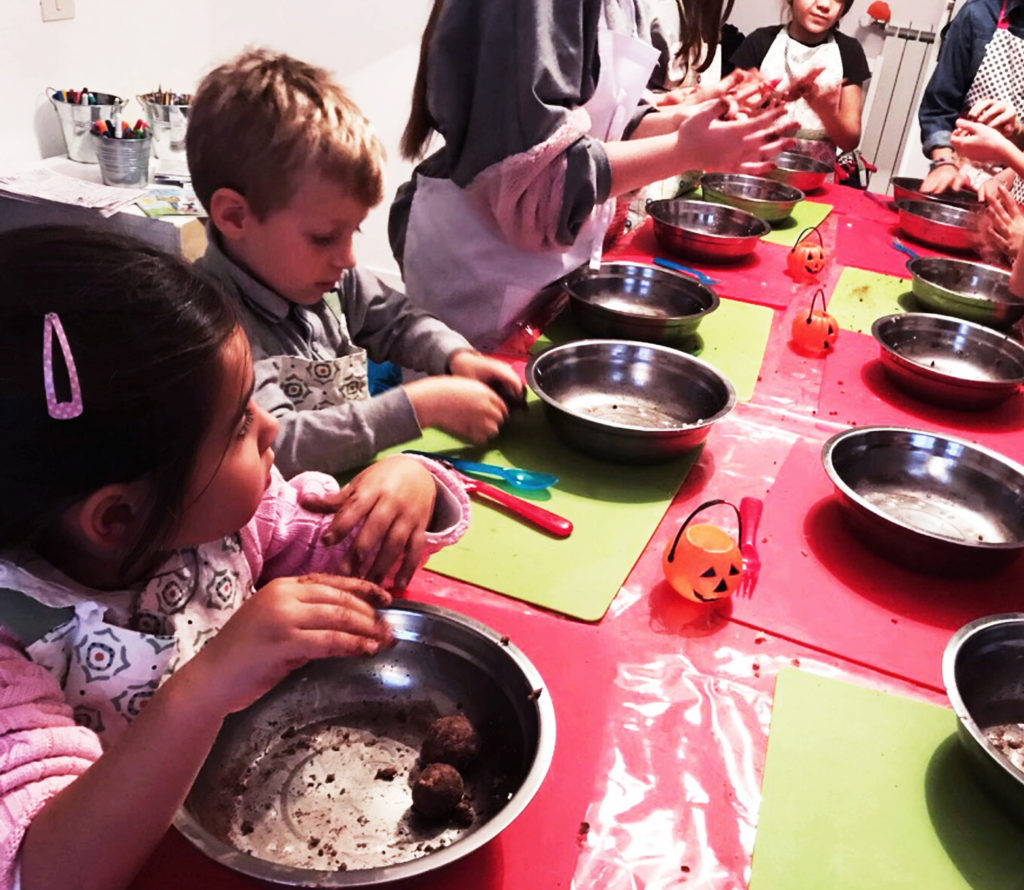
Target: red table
{"type": "Point", "coordinates": [663, 707]}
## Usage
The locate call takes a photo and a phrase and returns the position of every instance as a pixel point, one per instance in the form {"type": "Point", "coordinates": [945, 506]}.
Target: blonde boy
{"type": "Point", "coordinates": [288, 168]}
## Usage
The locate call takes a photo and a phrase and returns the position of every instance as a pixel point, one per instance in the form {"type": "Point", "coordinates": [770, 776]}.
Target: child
{"type": "Point", "coordinates": [140, 510]}
{"type": "Point", "coordinates": [821, 72]}
{"type": "Point", "coordinates": [288, 169]}
{"type": "Point", "coordinates": [543, 128]}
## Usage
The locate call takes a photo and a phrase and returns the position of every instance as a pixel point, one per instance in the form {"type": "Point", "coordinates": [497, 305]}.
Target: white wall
{"type": "Point", "coordinates": [129, 47]}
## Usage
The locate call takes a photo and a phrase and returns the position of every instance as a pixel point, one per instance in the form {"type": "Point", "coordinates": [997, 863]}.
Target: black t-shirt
{"type": "Point", "coordinates": [753, 50]}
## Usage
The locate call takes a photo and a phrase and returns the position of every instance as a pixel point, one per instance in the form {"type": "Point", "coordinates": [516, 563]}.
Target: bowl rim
{"type": "Point", "coordinates": [713, 301]}
{"type": "Point", "coordinates": [950, 655]}
{"type": "Point", "coordinates": [818, 166]}
{"type": "Point", "coordinates": [748, 217]}
{"type": "Point", "coordinates": [531, 380]}
{"type": "Point", "coordinates": [716, 180]}
{"type": "Point", "coordinates": [901, 319]}
{"type": "Point", "coordinates": [913, 208]}
{"type": "Point", "coordinates": [828, 448]}
{"type": "Point", "coordinates": [279, 873]}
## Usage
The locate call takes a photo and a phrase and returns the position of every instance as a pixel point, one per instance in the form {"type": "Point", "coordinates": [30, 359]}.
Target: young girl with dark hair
{"type": "Point", "coordinates": [539, 105]}
{"type": "Point", "coordinates": [140, 513]}
{"type": "Point", "coordinates": [820, 70]}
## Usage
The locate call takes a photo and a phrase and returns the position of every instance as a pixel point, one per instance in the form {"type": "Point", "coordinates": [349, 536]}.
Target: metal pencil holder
{"type": "Point", "coordinates": [123, 162]}
{"type": "Point", "coordinates": [76, 121]}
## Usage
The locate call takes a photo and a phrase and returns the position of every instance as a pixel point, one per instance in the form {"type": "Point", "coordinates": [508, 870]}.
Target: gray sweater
{"type": "Point", "coordinates": [373, 317]}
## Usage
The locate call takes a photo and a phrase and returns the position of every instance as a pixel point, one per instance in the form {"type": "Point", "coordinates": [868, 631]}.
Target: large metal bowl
{"type": "Point", "coordinates": [296, 787]}
{"type": "Point", "coordinates": [628, 401]}
{"type": "Point", "coordinates": [906, 188]}
{"type": "Point", "coordinates": [938, 225]}
{"type": "Point", "coordinates": [983, 672]}
{"type": "Point", "coordinates": [633, 301]}
{"type": "Point", "coordinates": [932, 502]}
{"type": "Point", "coordinates": [770, 200]}
{"type": "Point", "coordinates": [964, 289]}
{"type": "Point", "coordinates": [705, 230]}
{"type": "Point", "coordinates": [800, 171]}
{"type": "Point", "coordinates": [949, 361]}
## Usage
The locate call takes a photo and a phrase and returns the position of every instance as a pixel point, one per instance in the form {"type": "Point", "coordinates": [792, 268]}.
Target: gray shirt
{"type": "Point", "coordinates": [373, 317]}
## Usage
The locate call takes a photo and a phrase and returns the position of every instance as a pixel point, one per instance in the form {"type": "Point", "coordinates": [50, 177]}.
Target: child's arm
{"type": "Point", "coordinates": [299, 526]}
{"type": "Point", "coordinates": [100, 829]}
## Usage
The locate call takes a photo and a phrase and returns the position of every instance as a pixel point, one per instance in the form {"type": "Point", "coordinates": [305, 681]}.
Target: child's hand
{"type": "Point", "coordinates": [282, 626]}
{"type": "Point", "coordinates": [467, 409]}
{"type": "Point", "coordinates": [391, 502]}
{"type": "Point", "coordinates": [981, 143]}
{"type": "Point", "coordinates": [744, 145]}
{"type": "Point", "coordinates": [1002, 227]}
{"type": "Point", "coordinates": [995, 113]}
{"type": "Point", "coordinates": [495, 373]}
{"type": "Point", "coordinates": [945, 178]}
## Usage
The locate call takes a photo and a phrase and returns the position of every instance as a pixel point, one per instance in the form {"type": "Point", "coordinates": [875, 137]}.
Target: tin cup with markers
{"type": "Point", "coordinates": [168, 120]}
{"type": "Point", "coordinates": [124, 158]}
{"type": "Point", "coordinates": [77, 111]}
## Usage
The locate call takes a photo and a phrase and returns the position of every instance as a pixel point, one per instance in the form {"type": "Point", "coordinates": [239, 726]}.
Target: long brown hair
{"type": "Point", "coordinates": [700, 26]}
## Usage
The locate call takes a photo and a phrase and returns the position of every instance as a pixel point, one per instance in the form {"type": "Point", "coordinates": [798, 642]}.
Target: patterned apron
{"type": "Point", "coordinates": [311, 384]}
{"type": "Point", "coordinates": [112, 656]}
{"type": "Point", "coordinates": [999, 77]}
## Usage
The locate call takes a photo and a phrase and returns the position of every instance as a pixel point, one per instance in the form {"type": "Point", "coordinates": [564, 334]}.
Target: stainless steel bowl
{"type": "Point", "coordinates": [800, 171]}
{"type": "Point", "coordinates": [938, 225]}
{"type": "Point", "coordinates": [905, 188]}
{"type": "Point", "coordinates": [948, 361]}
{"type": "Point", "coordinates": [705, 230]}
{"type": "Point", "coordinates": [770, 200]}
{"type": "Point", "coordinates": [935, 503]}
{"type": "Point", "coordinates": [295, 789]}
{"type": "Point", "coordinates": [628, 401]}
{"type": "Point", "coordinates": [983, 672]}
{"type": "Point", "coordinates": [633, 301]}
{"type": "Point", "coordinates": [964, 289]}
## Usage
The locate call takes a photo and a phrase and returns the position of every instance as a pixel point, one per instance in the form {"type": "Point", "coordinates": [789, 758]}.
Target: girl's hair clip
{"type": "Point", "coordinates": [59, 410]}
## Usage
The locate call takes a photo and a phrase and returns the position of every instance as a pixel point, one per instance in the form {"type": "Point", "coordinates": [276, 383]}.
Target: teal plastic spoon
{"type": "Point", "coordinates": [526, 480]}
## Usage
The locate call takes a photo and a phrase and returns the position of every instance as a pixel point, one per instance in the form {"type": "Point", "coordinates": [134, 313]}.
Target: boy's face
{"type": "Point", "coordinates": [302, 249]}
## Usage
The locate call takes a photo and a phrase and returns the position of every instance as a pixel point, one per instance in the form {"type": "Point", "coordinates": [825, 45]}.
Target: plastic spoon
{"type": "Point", "coordinates": [525, 480]}
{"type": "Point", "coordinates": [550, 522]}
{"type": "Point", "coordinates": [902, 248]}
{"type": "Point", "coordinates": [706, 280]}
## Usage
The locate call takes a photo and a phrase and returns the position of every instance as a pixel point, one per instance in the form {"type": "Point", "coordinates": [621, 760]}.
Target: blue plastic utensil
{"type": "Point", "coordinates": [526, 480]}
{"type": "Point", "coordinates": [706, 280]}
{"type": "Point", "coordinates": [902, 248]}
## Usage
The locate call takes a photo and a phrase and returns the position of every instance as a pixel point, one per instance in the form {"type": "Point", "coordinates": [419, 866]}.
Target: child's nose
{"type": "Point", "coordinates": [345, 256]}
{"type": "Point", "coordinates": [268, 426]}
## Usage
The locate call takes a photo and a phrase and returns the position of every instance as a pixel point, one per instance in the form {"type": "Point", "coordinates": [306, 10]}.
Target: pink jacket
{"type": "Point", "coordinates": [42, 750]}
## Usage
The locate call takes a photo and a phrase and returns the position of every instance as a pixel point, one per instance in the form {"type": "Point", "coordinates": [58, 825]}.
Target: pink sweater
{"type": "Point", "coordinates": [42, 750]}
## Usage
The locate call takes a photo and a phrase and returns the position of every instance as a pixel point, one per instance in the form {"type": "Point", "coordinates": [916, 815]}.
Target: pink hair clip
{"type": "Point", "coordinates": [59, 410]}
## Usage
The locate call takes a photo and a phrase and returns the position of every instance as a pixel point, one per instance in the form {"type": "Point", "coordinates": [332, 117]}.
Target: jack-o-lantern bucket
{"type": "Point", "coordinates": [704, 563]}
{"type": "Point", "coordinates": [806, 260]}
{"type": "Point", "coordinates": [816, 332]}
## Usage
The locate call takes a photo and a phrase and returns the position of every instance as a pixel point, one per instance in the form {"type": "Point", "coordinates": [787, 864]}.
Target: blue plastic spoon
{"type": "Point", "coordinates": [526, 480]}
{"type": "Point", "coordinates": [706, 280]}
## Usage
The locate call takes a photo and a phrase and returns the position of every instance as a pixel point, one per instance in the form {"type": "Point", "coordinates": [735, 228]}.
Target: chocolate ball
{"type": "Point", "coordinates": [451, 740]}
{"type": "Point", "coordinates": [437, 791]}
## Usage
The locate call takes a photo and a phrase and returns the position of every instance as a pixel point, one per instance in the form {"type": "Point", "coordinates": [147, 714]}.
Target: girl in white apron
{"type": "Point", "coordinates": [828, 69]}
{"type": "Point", "coordinates": [517, 197]}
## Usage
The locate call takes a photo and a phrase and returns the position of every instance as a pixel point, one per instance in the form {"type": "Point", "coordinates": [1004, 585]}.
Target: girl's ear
{"type": "Point", "coordinates": [229, 212]}
{"type": "Point", "coordinates": [109, 519]}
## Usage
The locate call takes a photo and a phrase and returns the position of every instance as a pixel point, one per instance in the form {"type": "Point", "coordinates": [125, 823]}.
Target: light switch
{"type": "Point", "coordinates": [53, 10]}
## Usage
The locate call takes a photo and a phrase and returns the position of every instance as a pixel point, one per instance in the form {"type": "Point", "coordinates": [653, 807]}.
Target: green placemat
{"type": "Point", "coordinates": [805, 214]}
{"type": "Point", "coordinates": [860, 297]}
{"type": "Point", "coordinates": [614, 508]}
{"type": "Point", "coordinates": [733, 339]}
{"type": "Point", "coordinates": [867, 790]}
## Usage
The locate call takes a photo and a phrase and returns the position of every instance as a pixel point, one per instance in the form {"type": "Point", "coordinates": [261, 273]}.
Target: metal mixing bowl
{"type": "Point", "coordinates": [295, 789]}
{"type": "Point", "coordinates": [800, 171]}
{"type": "Point", "coordinates": [705, 230]}
{"type": "Point", "coordinates": [905, 188]}
{"type": "Point", "coordinates": [628, 401]}
{"type": "Point", "coordinates": [983, 672]}
{"type": "Point", "coordinates": [770, 200]}
{"type": "Point", "coordinates": [949, 361]}
{"type": "Point", "coordinates": [633, 301]}
{"type": "Point", "coordinates": [932, 502]}
{"type": "Point", "coordinates": [938, 225]}
{"type": "Point", "coordinates": [968, 290]}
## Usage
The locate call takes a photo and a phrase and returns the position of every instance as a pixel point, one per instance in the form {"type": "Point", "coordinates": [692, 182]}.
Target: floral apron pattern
{"type": "Point", "coordinates": [109, 671]}
{"type": "Point", "coordinates": [311, 384]}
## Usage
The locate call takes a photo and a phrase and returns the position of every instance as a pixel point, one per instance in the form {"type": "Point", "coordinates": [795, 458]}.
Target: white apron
{"type": "Point", "coordinates": [999, 77]}
{"type": "Point", "coordinates": [789, 60]}
{"type": "Point", "coordinates": [458, 264]}
{"type": "Point", "coordinates": [312, 384]}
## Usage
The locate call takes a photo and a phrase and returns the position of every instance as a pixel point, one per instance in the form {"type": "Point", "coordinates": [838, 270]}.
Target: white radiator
{"type": "Point", "coordinates": [904, 67]}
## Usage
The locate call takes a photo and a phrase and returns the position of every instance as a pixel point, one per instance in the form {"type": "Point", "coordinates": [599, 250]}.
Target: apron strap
{"type": "Point", "coordinates": [1004, 21]}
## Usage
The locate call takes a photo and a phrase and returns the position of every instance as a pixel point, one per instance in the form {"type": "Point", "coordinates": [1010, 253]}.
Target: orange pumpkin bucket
{"type": "Point", "coordinates": [806, 260]}
{"type": "Point", "coordinates": [816, 332]}
{"type": "Point", "coordinates": [703, 563]}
